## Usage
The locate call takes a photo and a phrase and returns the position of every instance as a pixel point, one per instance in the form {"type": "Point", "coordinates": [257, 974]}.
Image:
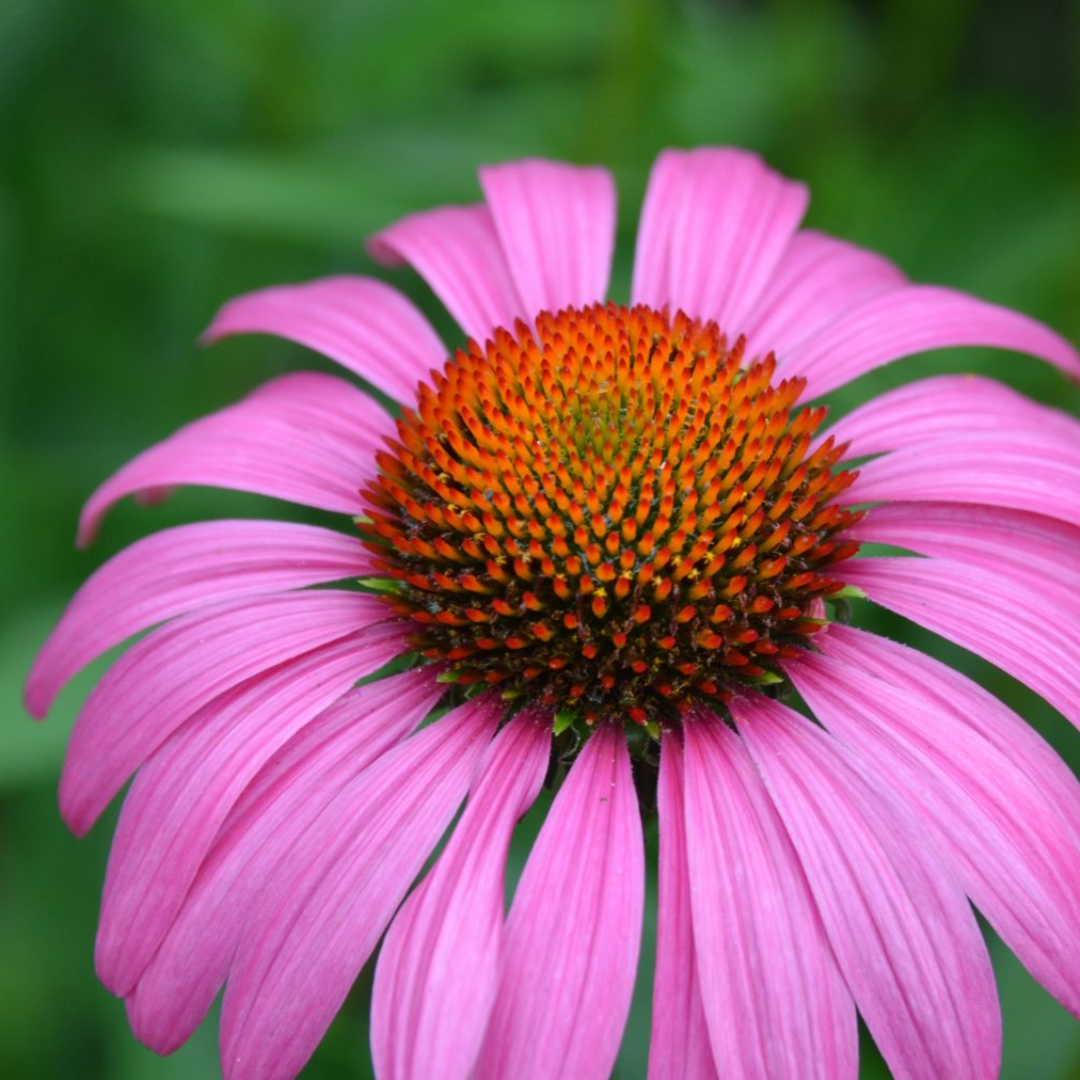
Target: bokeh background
{"type": "Point", "coordinates": [160, 156]}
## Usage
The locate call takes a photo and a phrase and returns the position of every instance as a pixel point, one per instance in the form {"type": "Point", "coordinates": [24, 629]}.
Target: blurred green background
{"type": "Point", "coordinates": [160, 156]}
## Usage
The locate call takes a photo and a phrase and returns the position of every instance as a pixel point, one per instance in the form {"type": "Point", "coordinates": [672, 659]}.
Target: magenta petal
{"type": "Point", "coordinates": [1034, 549]}
{"type": "Point", "coordinates": [1034, 641]}
{"type": "Point", "coordinates": [456, 250]}
{"type": "Point", "coordinates": [941, 408]}
{"type": "Point", "coordinates": [173, 672]}
{"type": "Point", "coordinates": [363, 324]}
{"type": "Point", "coordinates": [183, 793]}
{"type": "Point", "coordinates": [289, 793]}
{"type": "Point", "coordinates": [1001, 834]}
{"type": "Point", "coordinates": [332, 895]}
{"type": "Point", "coordinates": [556, 224]}
{"type": "Point", "coordinates": [1032, 470]}
{"type": "Point", "coordinates": [679, 1048]}
{"type": "Point", "coordinates": [899, 926]}
{"type": "Point", "coordinates": [571, 945]}
{"type": "Point", "coordinates": [179, 570]}
{"type": "Point", "coordinates": [439, 965]}
{"type": "Point", "coordinates": [818, 279]}
{"type": "Point", "coordinates": [965, 702]}
{"type": "Point", "coordinates": [714, 226]}
{"type": "Point", "coordinates": [774, 1000]}
{"type": "Point", "coordinates": [912, 320]}
{"type": "Point", "coordinates": [305, 438]}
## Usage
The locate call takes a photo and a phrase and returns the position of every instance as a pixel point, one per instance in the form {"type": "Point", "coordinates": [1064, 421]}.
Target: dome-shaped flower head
{"type": "Point", "coordinates": [608, 545]}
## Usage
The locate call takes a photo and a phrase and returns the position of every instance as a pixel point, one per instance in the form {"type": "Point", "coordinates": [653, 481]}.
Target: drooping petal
{"type": "Point", "coordinates": [306, 438]}
{"type": "Point", "coordinates": [967, 703]}
{"type": "Point", "coordinates": [1003, 838]}
{"type": "Point", "coordinates": [1025, 470]}
{"type": "Point", "coordinates": [190, 966]}
{"type": "Point", "coordinates": [556, 224]}
{"type": "Point", "coordinates": [438, 968]}
{"type": "Point", "coordinates": [917, 319]}
{"type": "Point", "coordinates": [1034, 641]}
{"type": "Point", "coordinates": [571, 943]}
{"type": "Point", "coordinates": [679, 1048]}
{"type": "Point", "coordinates": [943, 407]}
{"type": "Point", "coordinates": [899, 926]}
{"type": "Point", "coordinates": [184, 792]}
{"type": "Point", "coordinates": [179, 570]}
{"type": "Point", "coordinates": [1038, 550]}
{"type": "Point", "coordinates": [774, 1000]}
{"type": "Point", "coordinates": [332, 895]}
{"type": "Point", "coordinates": [714, 226]}
{"type": "Point", "coordinates": [169, 675]}
{"type": "Point", "coordinates": [818, 279]}
{"type": "Point", "coordinates": [456, 250]}
{"type": "Point", "coordinates": [361, 323]}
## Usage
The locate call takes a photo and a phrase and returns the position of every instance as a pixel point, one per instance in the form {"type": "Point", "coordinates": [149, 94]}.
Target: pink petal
{"type": "Point", "coordinates": [456, 250]}
{"type": "Point", "coordinates": [306, 438]}
{"type": "Point", "coordinates": [332, 895]}
{"type": "Point", "coordinates": [556, 224]}
{"type": "Point", "coordinates": [181, 569]}
{"type": "Point", "coordinates": [183, 793]}
{"type": "Point", "coordinates": [913, 320]}
{"type": "Point", "coordinates": [1002, 836]}
{"type": "Point", "coordinates": [363, 324]}
{"type": "Point", "coordinates": [1037, 550]}
{"type": "Point", "coordinates": [1024, 470]}
{"type": "Point", "coordinates": [169, 675]}
{"type": "Point", "coordinates": [900, 928]}
{"type": "Point", "coordinates": [774, 1001]}
{"type": "Point", "coordinates": [291, 791]}
{"type": "Point", "coordinates": [1029, 634]}
{"type": "Point", "coordinates": [817, 280]}
{"type": "Point", "coordinates": [679, 1048]}
{"type": "Point", "coordinates": [943, 407]}
{"type": "Point", "coordinates": [438, 970]}
{"type": "Point", "coordinates": [968, 703]}
{"type": "Point", "coordinates": [714, 227]}
{"type": "Point", "coordinates": [572, 938]}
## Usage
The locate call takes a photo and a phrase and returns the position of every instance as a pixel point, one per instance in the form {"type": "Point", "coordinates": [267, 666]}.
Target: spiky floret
{"type": "Point", "coordinates": [611, 513]}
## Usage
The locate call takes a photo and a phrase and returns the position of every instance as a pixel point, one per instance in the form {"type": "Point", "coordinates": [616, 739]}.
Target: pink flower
{"type": "Point", "coordinates": [611, 541]}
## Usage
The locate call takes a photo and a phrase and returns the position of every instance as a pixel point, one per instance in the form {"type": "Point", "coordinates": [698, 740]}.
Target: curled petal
{"type": "Point", "coordinates": [1038, 550]}
{"type": "Point", "coordinates": [571, 944]}
{"type": "Point", "coordinates": [305, 438]}
{"type": "Point", "coordinates": [556, 224]}
{"type": "Point", "coordinates": [363, 324]}
{"type": "Point", "coordinates": [714, 226]}
{"type": "Point", "coordinates": [774, 1000]}
{"type": "Point", "coordinates": [426, 1019]}
{"type": "Point", "coordinates": [336, 889]}
{"type": "Point", "coordinates": [1005, 840]}
{"type": "Point", "coordinates": [291, 791]}
{"type": "Point", "coordinates": [899, 926]}
{"type": "Point", "coordinates": [184, 792]}
{"type": "Point", "coordinates": [941, 408]}
{"type": "Point", "coordinates": [178, 570]}
{"type": "Point", "coordinates": [679, 1048]}
{"type": "Point", "coordinates": [917, 319]}
{"type": "Point", "coordinates": [1023, 470]}
{"type": "Point", "coordinates": [456, 250]}
{"type": "Point", "coordinates": [818, 279]}
{"type": "Point", "coordinates": [1036, 644]}
{"type": "Point", "coordinates": [169, 675]}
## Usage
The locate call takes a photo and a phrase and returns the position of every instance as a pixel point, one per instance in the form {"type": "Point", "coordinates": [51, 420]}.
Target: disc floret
{"type": "Point", "coordinates": [612, 513]}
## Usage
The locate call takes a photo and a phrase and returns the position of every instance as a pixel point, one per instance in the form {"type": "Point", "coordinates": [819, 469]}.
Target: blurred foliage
{"type": "Point", "coordinates": [159, 156]}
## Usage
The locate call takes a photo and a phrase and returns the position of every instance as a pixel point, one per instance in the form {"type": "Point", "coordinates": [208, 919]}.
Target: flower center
{"type": "Point", "coordinates": [611, 514]}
